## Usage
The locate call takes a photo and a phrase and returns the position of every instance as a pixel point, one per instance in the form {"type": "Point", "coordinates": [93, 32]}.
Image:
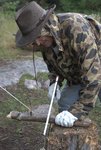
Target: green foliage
{"type": "Point", "coordinates": [25, 76]}
{"type": "Point", "coordinates": [62, 5]}
{"type": "Point", "coordinates": [81, 5]}
{"type": "Point", "coordinates": [42, 76]}
{"type": "Point", "coordinates": [11, 6]}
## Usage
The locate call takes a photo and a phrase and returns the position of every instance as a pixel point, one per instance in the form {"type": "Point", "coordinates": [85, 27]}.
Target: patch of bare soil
{"type": "Point", "coordinates": [26, 138]}
{"type": "Point", "coordinates": [16, 135]}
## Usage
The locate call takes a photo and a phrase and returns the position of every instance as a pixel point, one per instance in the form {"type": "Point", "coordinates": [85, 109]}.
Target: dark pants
{"type": "Point", "coordinates": [69, 95]}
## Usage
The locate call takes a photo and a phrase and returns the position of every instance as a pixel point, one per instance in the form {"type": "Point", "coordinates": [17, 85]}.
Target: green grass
{"type": "Point", "coordinates": [8, 29]}
{"type": "Point", "coordinates": [35, 97]}
{"type": "Point", "coordinates": [26, 96]}
{"type": "Point", "coordinates": [81, 6]}
{"type": "Point", "coordinates": [8, 49]}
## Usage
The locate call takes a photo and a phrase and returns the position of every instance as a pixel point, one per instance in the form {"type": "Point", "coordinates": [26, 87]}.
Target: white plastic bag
{"type": "Point", "coordinates": [57, 93]}
{"type": "Point", "coordinates": [65, 119]}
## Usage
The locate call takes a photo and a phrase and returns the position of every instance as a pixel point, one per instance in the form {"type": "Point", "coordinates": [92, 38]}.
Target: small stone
{"type": "Point", "coordinates": [46, 84]}
{"type": "Point", "coordinates": [42, 148]}
{"type": "Point", "coordinates": [31, 84]}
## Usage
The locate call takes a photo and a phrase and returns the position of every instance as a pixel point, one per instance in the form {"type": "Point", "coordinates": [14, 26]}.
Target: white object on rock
{"type": "Point", "coordinates": [46, 84]}
{"type": "Point", "coordinates": [57, 92]}
{"type": "Point", "coordinates": [65, 119]}
{"type": "Point", "coordinates": [42, 148]}
{"type": "Point", "coordinates": [31, 84]}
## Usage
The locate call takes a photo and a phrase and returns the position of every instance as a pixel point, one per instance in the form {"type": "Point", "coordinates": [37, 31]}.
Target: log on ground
{"type": "Point", "coordinates": [39, 114]}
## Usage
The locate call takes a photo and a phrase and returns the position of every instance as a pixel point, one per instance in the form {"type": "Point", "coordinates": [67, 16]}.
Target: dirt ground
{"type": "Point", "coordinates": [16, 135]}
{"type": "Point", "coordinates": [26, 138]}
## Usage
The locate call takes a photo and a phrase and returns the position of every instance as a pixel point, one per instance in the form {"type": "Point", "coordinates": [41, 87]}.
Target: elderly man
{"type": "Point", "coordinates": [72, 47]}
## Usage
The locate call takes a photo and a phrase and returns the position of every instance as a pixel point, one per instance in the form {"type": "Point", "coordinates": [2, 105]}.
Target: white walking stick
{"type": "Point", "coordinates": [50, 107]}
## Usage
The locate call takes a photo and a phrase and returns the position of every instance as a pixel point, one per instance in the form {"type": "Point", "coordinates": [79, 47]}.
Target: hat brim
{"type": "Point", "coordinates": [22, 41]}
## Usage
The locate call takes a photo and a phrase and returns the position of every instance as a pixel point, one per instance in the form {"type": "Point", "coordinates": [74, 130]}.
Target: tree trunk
{"type": "Point", "coordinates": [75, 138]}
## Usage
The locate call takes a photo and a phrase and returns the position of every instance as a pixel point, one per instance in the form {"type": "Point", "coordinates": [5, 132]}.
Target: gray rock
{"type": "Point", "coordinates": [11, 72]}
{"type": "Point", "coordinates": [31, 84]}
{"type": "Point", "coordinates": [46, 84]}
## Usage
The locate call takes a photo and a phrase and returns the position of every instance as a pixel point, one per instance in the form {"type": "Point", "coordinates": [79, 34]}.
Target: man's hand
{"type": "Point", "coordinates": [57, 93]}
{"type": "Point", "coordinates": [65, 119]}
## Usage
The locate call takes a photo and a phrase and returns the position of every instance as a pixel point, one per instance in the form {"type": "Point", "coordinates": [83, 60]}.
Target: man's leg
{"type": "Point", "coordinates": [69, 95]}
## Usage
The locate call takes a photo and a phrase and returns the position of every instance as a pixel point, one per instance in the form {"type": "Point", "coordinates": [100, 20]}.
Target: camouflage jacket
{"type": "Point", "coordinates": [75, 56]}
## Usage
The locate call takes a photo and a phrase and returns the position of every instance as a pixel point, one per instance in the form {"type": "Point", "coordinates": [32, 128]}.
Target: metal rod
{"type": "Point", "coordinates": [15, 98]}
{"type": "Point", "coordinates": [50, 107]}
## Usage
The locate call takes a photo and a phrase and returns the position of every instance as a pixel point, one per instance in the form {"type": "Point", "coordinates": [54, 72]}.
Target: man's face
{"type": "Point", "coordinates": [45, 41]}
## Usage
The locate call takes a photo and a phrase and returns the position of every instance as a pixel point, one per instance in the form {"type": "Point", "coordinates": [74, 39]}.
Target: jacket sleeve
{"type": "Point", "coordinates": [90, 78]}
{"type": "Point", "coordinates": [53, 73]}
{"type": "Point", "coordinates": [83, 42]}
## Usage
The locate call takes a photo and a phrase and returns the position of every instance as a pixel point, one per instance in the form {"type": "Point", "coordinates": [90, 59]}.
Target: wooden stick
{"type": "Point", "coordinates": [26, 116]}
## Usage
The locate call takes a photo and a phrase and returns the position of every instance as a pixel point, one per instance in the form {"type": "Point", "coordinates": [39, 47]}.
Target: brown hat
{"type": "Point", "coordinates": [30, 20]}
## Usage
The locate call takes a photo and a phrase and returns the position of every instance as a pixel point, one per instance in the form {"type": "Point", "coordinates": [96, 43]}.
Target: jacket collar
{"type": "Point", "coordinates": [54, 27]}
